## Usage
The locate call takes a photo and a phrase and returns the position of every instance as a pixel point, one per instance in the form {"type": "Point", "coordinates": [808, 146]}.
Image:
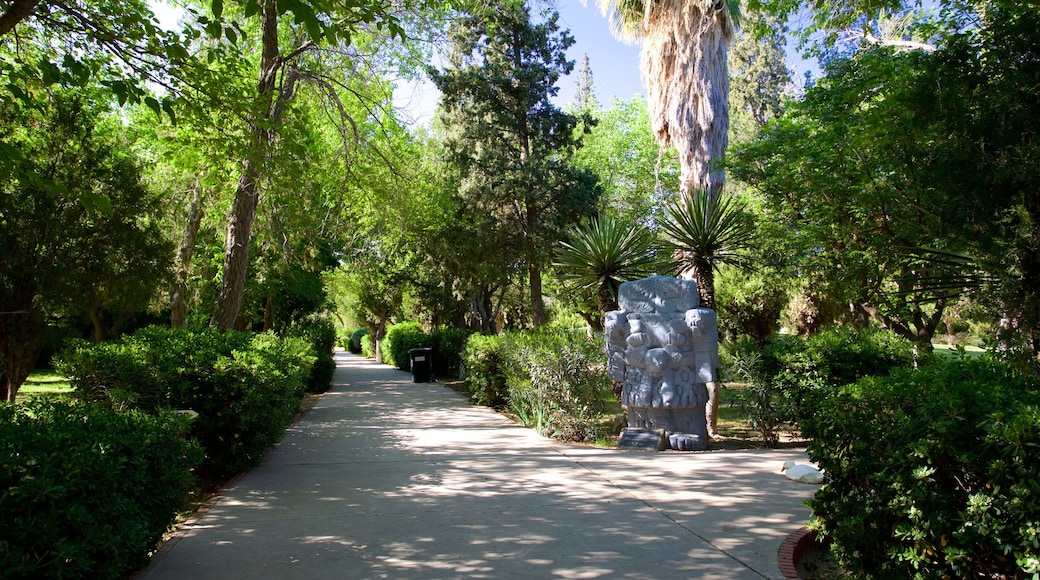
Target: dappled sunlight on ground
{"type": "Point", "coordinates": [385, 478]}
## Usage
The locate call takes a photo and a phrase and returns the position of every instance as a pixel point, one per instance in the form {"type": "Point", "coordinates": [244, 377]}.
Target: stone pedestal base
{"type": "Point", "coordinates": [685, 428]}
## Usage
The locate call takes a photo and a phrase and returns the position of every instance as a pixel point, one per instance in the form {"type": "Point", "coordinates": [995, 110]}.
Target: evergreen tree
{"type": "Point", "coordinates": [585, 94]}
{"type": "Point", "coordinates": [510, 145]}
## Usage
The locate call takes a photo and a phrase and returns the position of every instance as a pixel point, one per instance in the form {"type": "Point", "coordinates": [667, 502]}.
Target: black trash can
{"type": "Point", "coordinates": [421, 361]}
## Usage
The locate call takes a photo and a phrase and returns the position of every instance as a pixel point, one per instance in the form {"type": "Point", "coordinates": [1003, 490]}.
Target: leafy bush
{"type": "Point", "coordinates": [482, 359]}
{"type": "Point", "coordinates": [368, 346]}
{"type": "Point", "coordinates": [932, 472]}
{"type": "Point", "coordinates": [785, 380]}
{"type": "Point", "coordinates": [448, 343]}
{"type": "Point", "coordinates": [557, 381]}
{"type": "Point", "coordinates": [87, 491]}
{"type": "Point", "coordinates": [320, 332]}
{"type": "Point", "coordinates": [401, 338]}
{"type": "Point", "coordinates": [246, 387]}
{"type": "Point", "coordinates": [354, 345]}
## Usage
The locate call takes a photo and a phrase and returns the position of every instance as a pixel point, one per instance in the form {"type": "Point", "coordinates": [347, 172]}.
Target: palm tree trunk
{"type": "Point", "coordinates": [684, 59]}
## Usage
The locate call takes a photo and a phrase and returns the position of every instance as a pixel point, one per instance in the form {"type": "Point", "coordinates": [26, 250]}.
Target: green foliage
{"type": "Point", "coordinates": [354, 344]}
{"type": "Point", "coordinates": [707, 233]}
{"type": "Point", "coordinates": [482, 359]}
{"type": "Point", "coordinates": [246, 387]}
{"type": "Point", "coordinates": [400, 338]}
{"type": "Point", "coordinates": [931, 473]}
{"type": "Point", "coordinates": [368, 346]}
{"type": "Point", "coordinates": [320, 332]}
{"type": "Point", "coordinates": [448, 343]}
{"type": "Point", "coordinates": [59, 259]}
{"type": "Point", "coordinates": [601, 253]}
{"type": "Point", "coordinates": [509, 149]}
{"type": "Point", "coordinates": [557, 382]}
{"type": "Point", "coordinates": [786, 380]}
{"type": "Point", "coordinates": [88, 491]}
{"type": "Point", "coordinates": [749, 304]}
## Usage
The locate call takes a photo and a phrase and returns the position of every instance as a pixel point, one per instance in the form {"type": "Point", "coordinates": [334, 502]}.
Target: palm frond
{"type": "Point", "coordinates": [602, 251]}
{"type": "Point", "coordinates": [718, 231]}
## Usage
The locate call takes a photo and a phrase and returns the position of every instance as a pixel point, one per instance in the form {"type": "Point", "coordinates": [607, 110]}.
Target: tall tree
{"type": "Point", "coordinates": [585, 91]}
{"type": "Point", "coordinates": [510, 144]}
{"type": "Point", "coordinates": [315, 24]}
{"type": "Point", "coordinates": [684, 61]}
{"type": "Point", "coordinates": [56, 257]}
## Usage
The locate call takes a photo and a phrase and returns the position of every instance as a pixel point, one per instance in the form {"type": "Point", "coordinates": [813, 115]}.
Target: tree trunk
{"type": "Point", "coordinates": [684, 61]}
{"type": "Point", "coordinates": [17, 11]}
{"type": "Point", "coordinates": [243, 212]}
{"type": "Point", "coordinates": [269, 312]}
{"type": "Point", "coordinates": [20, 342]}
{"type": "Point", "coordinates": [97, 319]}
{"type": "Point", "coordinates": [537, 303]}
{"type": "Point", "coordinates": [179, 288]}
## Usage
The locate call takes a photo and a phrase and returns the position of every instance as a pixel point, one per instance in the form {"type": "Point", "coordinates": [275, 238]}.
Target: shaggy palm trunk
{"type": "Point", "coordinates": [684, 54]}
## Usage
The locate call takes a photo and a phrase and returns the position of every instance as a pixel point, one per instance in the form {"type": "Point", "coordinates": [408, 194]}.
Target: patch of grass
{"type": "Point", "coordinates": [46, 383]}
{"type": "Point", "coordinates": [948, 352]}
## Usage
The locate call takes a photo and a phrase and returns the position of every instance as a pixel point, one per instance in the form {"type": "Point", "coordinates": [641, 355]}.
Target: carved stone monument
{"type": "Point", "coordinates": [663, 348]}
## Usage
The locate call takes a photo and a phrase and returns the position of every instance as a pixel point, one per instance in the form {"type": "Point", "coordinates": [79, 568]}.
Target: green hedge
{"type": "Point", "coordinates": [246, 387]}
{"type": "Point", "coordinates": [87, 492]}
{"type": "Point", "coordinates": [320, 332]}
{"type": "Point", "coordinates": [485, 378]}
{"type": "Point", "coordinates": [399, 339]}
{"type": "Point", "coordinates": [932, 473]}
{"type": "Point", "coordinates": [448, 343]}
{"type": "Point", "coordinates": [354, 345]}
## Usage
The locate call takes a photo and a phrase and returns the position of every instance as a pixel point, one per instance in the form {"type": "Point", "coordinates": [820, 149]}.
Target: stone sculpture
{"type": "Point", "coordinates": [663, 348]}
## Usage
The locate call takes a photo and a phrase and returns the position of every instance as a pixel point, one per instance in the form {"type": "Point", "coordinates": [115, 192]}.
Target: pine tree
{"type": "Point", "coordinates": [510, 145]}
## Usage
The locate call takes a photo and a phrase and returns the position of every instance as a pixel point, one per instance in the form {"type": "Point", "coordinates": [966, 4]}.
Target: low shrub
{"type": "Point", "coordinates": [368, 346]}
{"type": "Point", "coordinates": [557, 381]}
{"type": "Point", "coordinates": [354, 345]}
{"type": "Point", "coordinates": [87, 491]}
{"type": "Point", "coordinates": [931, 473]}
{"type": "Point", "coordinates": [401, 338]}
{"type": "Point", "coordinates": [320, 332]}
{"type": "Point", "coordinates": [786, 379]}
{"type": "Point", "coordinates": [482, 360]}
{"type": "Point", "coordinates": [246, 387]}
{"type": "Point", "coordinates": [448, 343]}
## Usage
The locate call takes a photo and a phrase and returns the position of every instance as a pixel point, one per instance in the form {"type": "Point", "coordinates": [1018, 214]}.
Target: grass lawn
{"type": "Point", "coordinates": [45, 383]}
{"type": "Point", "coordinates": [950, 352]}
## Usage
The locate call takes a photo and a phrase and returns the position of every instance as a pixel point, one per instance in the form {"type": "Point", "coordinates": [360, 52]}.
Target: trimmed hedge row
{"type": "Point", "coordinates": [320, 332]}
{"type": "Point", "coordinates": [447, 343]}
{"type": "Point", "coordinates": [932, 473]}
{"type": "Point", "coordinates": [87, 492]}
{"type": "Point", "coordinates": [246, 387]}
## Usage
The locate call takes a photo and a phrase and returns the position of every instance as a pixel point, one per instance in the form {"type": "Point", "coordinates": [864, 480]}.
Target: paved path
{"type": "Point", "coordinates": [385, 478]}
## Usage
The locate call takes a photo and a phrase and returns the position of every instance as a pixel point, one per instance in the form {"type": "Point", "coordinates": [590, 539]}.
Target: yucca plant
{"type": "Point", "coordinates": [704, 233]}
{"type": "Point", "coordinates": [602, 253]}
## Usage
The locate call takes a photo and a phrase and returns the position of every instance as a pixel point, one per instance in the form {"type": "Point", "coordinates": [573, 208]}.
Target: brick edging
{"type": "Point", "coordinates": [797, 544]}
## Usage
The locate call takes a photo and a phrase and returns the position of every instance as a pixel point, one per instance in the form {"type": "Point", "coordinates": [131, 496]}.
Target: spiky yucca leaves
{"type": "Point", "coordinates": [705, 233]}
{"type": "Point", "coordinates": [602, 253]}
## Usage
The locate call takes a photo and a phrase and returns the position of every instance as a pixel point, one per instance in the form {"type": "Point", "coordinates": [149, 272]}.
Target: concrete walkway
{"type": "Point", "coordinates": [385, 478]}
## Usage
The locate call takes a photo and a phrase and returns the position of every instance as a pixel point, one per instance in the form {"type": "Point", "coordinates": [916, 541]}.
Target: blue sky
{"type": "Point", "coordinates": [614, 64]}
